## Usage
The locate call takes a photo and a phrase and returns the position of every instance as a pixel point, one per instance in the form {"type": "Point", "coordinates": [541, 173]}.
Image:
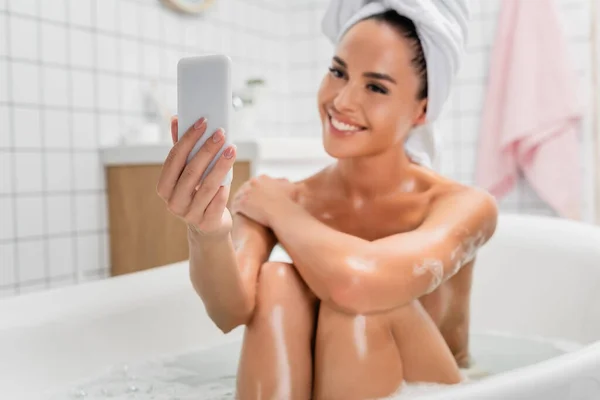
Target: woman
{"type": "Point", "coordinates": [383, 248]}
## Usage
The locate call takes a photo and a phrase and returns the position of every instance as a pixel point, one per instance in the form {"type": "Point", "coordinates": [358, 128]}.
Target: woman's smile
{"type": "Point", "coordinates": [340, 126]}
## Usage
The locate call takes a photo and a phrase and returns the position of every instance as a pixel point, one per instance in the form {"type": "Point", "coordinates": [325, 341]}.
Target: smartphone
{"type": "Point", "coordinates": [204, 90]}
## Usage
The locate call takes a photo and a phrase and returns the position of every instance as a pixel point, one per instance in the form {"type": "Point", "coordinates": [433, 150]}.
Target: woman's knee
{"type": "Point", "coordinates": [279, 283]}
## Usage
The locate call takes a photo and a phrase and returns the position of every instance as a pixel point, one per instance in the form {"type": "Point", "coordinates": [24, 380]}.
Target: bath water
{"type": "Point", "coordinates": [209, 374]}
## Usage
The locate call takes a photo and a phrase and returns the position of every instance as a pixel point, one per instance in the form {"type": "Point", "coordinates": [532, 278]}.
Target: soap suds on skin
{"type": "Point", "coordinates": [434, 267]}
{"type": "Point", "coordinates": [284, 388]}
{"type": "Point", "coordinates": [466, 251]}
{"type": "Point", "coordinates": [360, 264]}
{"type": "Point", "coordinates": [360, 336]}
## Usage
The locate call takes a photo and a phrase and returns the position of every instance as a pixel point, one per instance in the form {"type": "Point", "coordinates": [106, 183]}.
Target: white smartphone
{"type": "Point", "coordinates": [204, 90]}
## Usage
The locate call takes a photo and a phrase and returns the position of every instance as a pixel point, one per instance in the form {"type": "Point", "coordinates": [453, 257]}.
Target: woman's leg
{"type": "Point", "coordinates": [276, 360]}
{"type": "Point", "coordinates": [425, 354]}
{"type": "Point", "coordinates": [366, 357]}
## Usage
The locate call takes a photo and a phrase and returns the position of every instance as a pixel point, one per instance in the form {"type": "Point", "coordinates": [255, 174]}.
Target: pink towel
{"type": "Point", "coordinates": [531, 117]}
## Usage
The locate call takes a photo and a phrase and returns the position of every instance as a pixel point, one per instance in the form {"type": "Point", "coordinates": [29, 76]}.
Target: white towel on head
{"type": "Point", "coordinates": [442, 28]}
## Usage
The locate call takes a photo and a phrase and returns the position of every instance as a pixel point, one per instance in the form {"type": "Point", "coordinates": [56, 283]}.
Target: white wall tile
{"type": "Point", "coordinates": [23, 38]}
{"type": "Point", "coordinates": [7, 216]}
{"type": "Point", "coordinates": [80, 12]}
{"type": "Point", "coordinates": [28, 172]}
{"type": "Point", "coordinates": [25, 83]}
{"type": "Point", "coordinates": [26, 7]}
{"type": "Point", "coordinates": [54, 10]}
{"type": "Point", "coordinates": [84, 130]}
{"type": "Point", "coordinates": [28, 128]}
{"type": "Point", "coordinates": [88, 252]}
{"type": "Point", "coordinates": [151, 60]}
{"type": "Point", "coordinates": [81, 50]}
{"type": "Point", "coordinates": [6, 172]}
{"type": "Point", "coordinates": [6, 137]}
{"type": "Point", "coordinates": [106, 15]}
{"type": "Point", "coordinates": [108, 130]}
{"type": "Point", "coordinates": [7, 264]}
{"type": "Point", "coordinates": [54, 43]}
{"type": "Point", "coordinates": [150, 22]}
{"type": "Point", "coordinates": [56, 86]}
{"type": "Point", "coordinates": [30, 214]}
{"type": "Point", "coordinates": [31, 260]}
{"type": "Point", "coordinates": [108, 92]}
{"type": "Point", "coordinates": [128, 18]}
{"type": "Point", "coordinates": [106, 52]}
{"type": "Point", "coordinates": [58, 172]}
{"type": "Point", "coordinates": [59, 215]}
{"type": "Point", "coordinates": [56, 129]}
{"type": "Point", "coordinates": [5, 92]}
{"type": "Point", "coordinates": [129, 56]}
{"type": "Point", "coordinates": [82, 89]}
{"type": "Point", "coordinates": [60, 256]}
{"type": "Point", "coordinates": [87, 170]}
{"type": "Point", "coordinates": [86, 209]}
{"type": "Point", "coordinates": [3, 32]}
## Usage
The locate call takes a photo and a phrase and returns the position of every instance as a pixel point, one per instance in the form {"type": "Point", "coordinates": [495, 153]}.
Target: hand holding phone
{"type": "Point", "coordinates": [195, 177]}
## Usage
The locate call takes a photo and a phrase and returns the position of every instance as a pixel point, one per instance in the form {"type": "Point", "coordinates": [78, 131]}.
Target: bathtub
{"type": "Point", "coordinates": [537, 277]}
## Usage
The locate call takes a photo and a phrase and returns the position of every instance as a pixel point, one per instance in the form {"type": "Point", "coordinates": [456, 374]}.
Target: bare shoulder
{"type": "Point", "coordinates": [458, 205]}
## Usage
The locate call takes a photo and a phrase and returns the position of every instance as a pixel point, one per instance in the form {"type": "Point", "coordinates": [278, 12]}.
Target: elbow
{"type": "Point", "coordinates": [228, 321]}
{"type": "Point", "coordinates": [348, 295]}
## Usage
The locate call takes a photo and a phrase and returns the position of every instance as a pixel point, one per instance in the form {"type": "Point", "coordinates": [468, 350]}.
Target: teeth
{"type": "Point", "coordinates": [343, 127]}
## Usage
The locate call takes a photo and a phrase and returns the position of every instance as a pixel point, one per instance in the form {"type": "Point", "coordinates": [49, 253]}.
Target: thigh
{"type": "Point", "coordinates": [356, 356]}
{"type": "Point", "coordinates": [276, 359]}
{"type": "Point", "coordinates": [425, 354]}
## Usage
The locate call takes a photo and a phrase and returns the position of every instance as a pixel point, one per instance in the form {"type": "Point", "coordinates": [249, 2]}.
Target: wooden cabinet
{"type": "Point", "coordinates": [143, 233]}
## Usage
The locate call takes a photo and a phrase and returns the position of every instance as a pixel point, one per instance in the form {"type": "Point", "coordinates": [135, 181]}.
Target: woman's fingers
{"type": "Point", "coordinates": [174, 128]}
{"type": "Point", "coordinates": [212, 182]}
{"type": "Point", "coordinates": [193, 171]}
{"type": "Point", "coordinates": [210, 218]}
{"type": "Point", "coordinates": [176, 159]}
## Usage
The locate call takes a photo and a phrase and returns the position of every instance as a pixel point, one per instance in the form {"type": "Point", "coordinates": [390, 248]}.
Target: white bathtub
{"type": "Point", "coordinates": [538, 276]}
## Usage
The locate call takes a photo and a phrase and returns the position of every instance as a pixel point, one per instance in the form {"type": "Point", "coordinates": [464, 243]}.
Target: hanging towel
{"type": "Point", "coordinates": [442, 26]}
{"type": "Point", "coordinates": [531, 116]}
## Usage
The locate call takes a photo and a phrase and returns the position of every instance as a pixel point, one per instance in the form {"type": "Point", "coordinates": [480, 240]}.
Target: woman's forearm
{"type": "Point", "coordinates": [215, 276]}
{"type": "Point", "coordinates": [320, 253]}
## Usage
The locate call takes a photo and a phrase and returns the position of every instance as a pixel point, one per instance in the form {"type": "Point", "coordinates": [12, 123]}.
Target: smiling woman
{"type": "Point", "coordinates": [382, 247]}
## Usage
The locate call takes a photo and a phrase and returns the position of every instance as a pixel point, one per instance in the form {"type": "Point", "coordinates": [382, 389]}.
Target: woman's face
{"type": "Point", "coordinates": [368, 100]}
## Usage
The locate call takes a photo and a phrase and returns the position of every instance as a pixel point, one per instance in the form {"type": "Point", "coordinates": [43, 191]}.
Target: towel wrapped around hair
{"type": "Point", "coordinates": [442, 29]}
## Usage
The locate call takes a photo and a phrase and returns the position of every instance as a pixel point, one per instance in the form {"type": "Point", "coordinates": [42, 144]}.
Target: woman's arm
{"type": "Point", "coordinates": [224, 270]}
{"type": "Point", "coordinates": [365, 277]}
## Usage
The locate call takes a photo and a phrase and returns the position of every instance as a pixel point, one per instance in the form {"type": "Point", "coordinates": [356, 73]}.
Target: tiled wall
{"type": "Point", "coordinates": [72, 74]}
{"type": "Point", "coordinates": [310, 56]}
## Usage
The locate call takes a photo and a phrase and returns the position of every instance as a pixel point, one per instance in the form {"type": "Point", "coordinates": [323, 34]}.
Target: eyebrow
{"type": "Point", "coordinates": [375, 75]}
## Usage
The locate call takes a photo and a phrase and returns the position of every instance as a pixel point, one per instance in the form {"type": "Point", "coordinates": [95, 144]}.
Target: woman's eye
{"type": "Point", "coordinates": [377, 89]}
{"type": "Point", "coordinates": [336, 72]}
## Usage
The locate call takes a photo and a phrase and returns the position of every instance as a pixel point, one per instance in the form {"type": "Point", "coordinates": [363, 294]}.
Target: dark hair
{"type": "Point", "coordinates": [407, 29]}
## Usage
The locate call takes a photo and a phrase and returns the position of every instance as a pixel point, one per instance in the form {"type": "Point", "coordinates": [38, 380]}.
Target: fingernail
{"type": "Point", "coordinates": [199, 123]}
{"type": "Point", "coordinates": [218, 135]}
{"type": "Point", "coordinates": [229, 152]}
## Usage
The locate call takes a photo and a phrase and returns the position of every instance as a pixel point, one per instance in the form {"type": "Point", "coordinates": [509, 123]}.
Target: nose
{"type": "Point", "coordinates": [345, 99]}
